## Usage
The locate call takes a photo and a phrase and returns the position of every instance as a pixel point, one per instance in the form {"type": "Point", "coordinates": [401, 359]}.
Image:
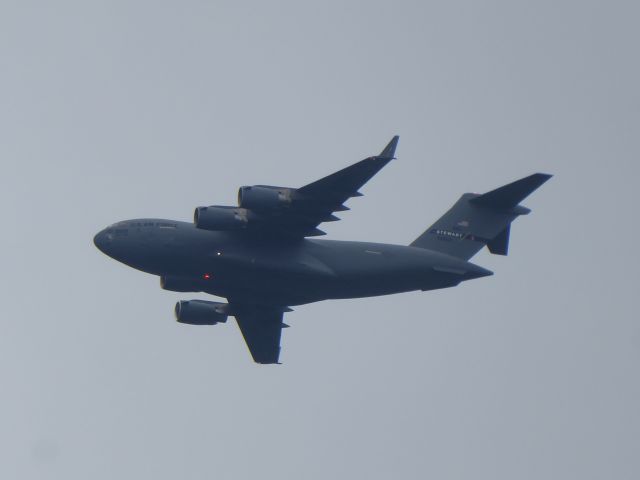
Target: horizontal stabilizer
{"type": "Point", "coordinates": [478, 220]}
{"type": "Point", "coordinates": [512, 194]}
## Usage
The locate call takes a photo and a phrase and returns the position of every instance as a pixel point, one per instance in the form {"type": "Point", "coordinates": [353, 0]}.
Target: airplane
{"type": "Point", "coordinates": [260, 257]}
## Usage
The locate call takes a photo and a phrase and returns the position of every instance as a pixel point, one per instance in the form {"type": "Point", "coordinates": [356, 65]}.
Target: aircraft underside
{"type": "Point", "coordinates": [260, 257]}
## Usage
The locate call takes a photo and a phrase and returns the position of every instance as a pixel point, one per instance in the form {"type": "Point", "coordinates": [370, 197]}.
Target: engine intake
{"type": "Point", "coordinates": [222, 218]}
{"type": "Point", "coordinates": [200, 312]}
{"type": "Point", "coordinates": [261, 198]}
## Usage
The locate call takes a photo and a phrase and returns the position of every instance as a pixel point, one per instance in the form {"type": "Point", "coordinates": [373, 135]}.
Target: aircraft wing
{"type": "Point", "coordinates": [261, 328]}
{"type": "Point", "coordinates": [315, 203]}
{"type": "Point", "coordinates": [343, 184]}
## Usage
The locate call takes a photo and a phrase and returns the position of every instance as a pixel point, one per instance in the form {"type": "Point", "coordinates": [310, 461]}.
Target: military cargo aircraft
{"type": "Point", "coordinates": [258, 254]}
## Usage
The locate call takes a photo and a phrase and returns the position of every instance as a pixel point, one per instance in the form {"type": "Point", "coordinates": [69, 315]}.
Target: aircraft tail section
{"type": "Point", "coordinates": [478, 220]}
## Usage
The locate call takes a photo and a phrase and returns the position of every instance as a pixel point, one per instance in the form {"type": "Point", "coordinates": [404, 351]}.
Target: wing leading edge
{"type": "Point", "coordinates": [333, 190]}
{"type": "Point", "coordinates": [343, 184]}
{"type": "Point", "coordinates": [315, 203]}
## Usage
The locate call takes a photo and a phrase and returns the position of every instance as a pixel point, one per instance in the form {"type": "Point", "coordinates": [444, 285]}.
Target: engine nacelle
{"type": "Point", "coordinates": [201, 312]}
{"type": "Point", "coordinates": [181, 284]}
{"type": "Point", "coordinates": [262, 198]}
{"type": "Point", "coordinates": [221, 218]}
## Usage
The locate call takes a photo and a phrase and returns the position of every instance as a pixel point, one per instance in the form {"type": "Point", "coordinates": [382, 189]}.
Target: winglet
{"type": "Point", "coordinates": [390, 150]}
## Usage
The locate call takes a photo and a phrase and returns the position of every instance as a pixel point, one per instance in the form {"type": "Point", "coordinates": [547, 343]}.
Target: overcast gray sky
{"type": "Point", "coordinates": [112, 110]}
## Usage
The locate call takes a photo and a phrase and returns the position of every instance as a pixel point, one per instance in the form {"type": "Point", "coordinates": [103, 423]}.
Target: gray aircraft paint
{"type": "Point", "coordinates": [114, 110]}
{"type": "Point", "coordinates": [290, 274]}
{"type": "Point", "coordinates": [262, 264]}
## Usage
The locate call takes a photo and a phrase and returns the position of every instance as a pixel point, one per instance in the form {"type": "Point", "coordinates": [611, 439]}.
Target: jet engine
{"type": "Point", "coordinates": [222, 218]}
{"type": "Point", "coordinates": [201, 312]}
{"type": "Point", "coordinates": [262, 197]}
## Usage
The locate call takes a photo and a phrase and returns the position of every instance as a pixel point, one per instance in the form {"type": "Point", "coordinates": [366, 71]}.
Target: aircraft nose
{"type": "Point", "coordinates": [102, 240]}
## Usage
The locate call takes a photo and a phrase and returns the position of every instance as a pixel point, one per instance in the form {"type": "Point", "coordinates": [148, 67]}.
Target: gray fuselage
{"type": "Point", "coordinates": [274, 271]}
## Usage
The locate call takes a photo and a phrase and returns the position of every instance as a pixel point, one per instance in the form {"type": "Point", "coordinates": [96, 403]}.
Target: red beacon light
{"type": "Point", "coordinates": [206, 276]}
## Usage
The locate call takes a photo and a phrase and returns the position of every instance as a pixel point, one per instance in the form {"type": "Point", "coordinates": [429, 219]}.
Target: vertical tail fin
{"type": "Point", "coordinates": [478, 220]}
